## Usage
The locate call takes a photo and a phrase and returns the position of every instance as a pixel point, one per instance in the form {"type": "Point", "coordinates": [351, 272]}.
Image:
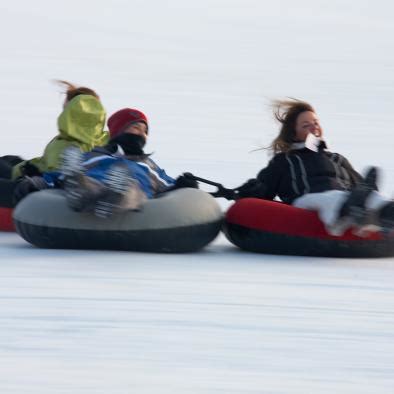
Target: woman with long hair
{"type": "Point", "coordinates": [305, 174]}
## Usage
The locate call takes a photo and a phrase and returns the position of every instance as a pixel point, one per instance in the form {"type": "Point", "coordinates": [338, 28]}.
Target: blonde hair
{"type": "Point", "coordinates": [71, 90]}
{"type": "Point", "coordinates": [286, 113]}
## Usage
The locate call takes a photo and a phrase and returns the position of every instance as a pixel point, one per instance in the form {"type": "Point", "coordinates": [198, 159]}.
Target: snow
{"type": "Point", "coordinates": [221, 320]}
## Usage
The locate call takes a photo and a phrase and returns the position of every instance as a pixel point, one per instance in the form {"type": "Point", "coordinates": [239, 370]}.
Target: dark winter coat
{"type": "Point", "coordinates": [301, 171]}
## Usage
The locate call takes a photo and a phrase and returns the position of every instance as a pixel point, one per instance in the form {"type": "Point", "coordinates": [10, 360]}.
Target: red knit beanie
{"type": "Point", "coordinates": [124, 117]}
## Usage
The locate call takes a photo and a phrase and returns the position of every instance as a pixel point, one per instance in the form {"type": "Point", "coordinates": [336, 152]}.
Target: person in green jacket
{"type": "Point", "coordinates": [81, 124]}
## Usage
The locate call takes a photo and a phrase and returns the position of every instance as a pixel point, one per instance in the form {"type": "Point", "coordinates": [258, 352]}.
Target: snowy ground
{"type": "Point", "coordinates": [222, 320]}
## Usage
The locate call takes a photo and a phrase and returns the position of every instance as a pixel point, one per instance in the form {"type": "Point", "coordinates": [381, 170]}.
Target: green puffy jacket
{"type": "Point", "coordinates": [80, 124]}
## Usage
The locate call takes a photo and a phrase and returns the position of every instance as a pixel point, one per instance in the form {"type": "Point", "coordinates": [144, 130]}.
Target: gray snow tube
{"type": "Point", "coordinates": [183, 220]}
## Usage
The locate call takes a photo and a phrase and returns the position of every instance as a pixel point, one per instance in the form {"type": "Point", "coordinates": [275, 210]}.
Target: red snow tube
{"type": "Point", "coordinates": [7, 188]}
{"type": "Point", "coordinates": [6, 222]}
{"type": "Point", "coordinates": [271, 227]}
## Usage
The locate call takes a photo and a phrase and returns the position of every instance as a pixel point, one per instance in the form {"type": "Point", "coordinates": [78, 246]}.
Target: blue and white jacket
{"type": "Point", "coordinates": [151, 178]}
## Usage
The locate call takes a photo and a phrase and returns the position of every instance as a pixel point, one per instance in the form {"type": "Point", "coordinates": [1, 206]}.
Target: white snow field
{"type": "Point", "coordinates": [221, 320]}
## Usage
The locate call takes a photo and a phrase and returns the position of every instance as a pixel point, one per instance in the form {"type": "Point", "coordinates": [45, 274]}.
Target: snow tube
{"type": "Point", "coordinates": [274, 228]}
{"type": "Point", "coordinates": [180, 221]}
{"type": "Point", "coordinates": [6, 222]}
{"type": "Point", "coordinates": [6, 204]}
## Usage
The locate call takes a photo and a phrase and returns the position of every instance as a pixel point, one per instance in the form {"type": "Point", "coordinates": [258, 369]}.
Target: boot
{"type": "Point", "coordinates": [354, 207]}
{"type": "Point", "coordinates": [122, 192]}
{"type": "Point", "coordinates": [385, 217]}
{"type": "Point", "coordinates": [72, 162]}
{"type": "Point", "coordinates": [82, 192]}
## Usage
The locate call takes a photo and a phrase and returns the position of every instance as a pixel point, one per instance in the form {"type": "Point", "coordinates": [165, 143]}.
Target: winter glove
{"type": "Point", "coordinates": [30, 169]}
{"type": "Point", "coordinates": [28, 185]}
{"type": "Point", "coordinates": [228, 194]}
{"type": "Point", "coordinates": [186, 180]}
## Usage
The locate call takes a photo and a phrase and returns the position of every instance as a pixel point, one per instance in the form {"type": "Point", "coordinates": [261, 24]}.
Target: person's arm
{"type": "Point", "coordinates": [355, 177]}
{"type": "Point", "coordinates": [27, 185]}
{"type": "Point", "coordinates": [49, 161]}
{"type": "Point", "coordinates": [165, 178]}
{"type": "Point", "coordinates": [265, 185]}
{"type": "Point", "coordinates": [160, 181]}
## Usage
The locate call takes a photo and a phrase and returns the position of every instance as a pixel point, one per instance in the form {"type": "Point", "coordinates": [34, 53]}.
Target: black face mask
{"type": "Point", "coordinates": [132, 144]}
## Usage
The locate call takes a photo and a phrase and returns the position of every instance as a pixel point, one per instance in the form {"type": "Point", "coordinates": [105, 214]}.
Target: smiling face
{"type": "Point", "coordinates": [307, 122]}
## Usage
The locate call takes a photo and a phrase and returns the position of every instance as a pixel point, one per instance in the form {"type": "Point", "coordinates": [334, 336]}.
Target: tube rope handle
{"type": "Point", "coordinates": [221, 190]}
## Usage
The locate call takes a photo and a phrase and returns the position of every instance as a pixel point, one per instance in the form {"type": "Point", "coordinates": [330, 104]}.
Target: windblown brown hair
{"type": "Point", "coordinates": [286, 113]}
{"type": "Point", "coordinates": [71, 90]}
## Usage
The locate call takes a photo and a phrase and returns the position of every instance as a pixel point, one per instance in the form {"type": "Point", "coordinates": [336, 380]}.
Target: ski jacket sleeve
{"type": "Point", "coordinates": [265, 185]}
{"type": "Point", "coordinates": [160, 181]}
{"type": "Point", "coordinates": [51, 158]}
{"type": "Point", "coordinates": [355, 177]}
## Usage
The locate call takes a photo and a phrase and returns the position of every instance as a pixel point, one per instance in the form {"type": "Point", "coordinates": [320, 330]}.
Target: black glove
{"type": "Point", "coordinates": [28, 185]}
{"type": "Point", "coordinates": [186, 180]}
{"type": "Point", "coordinates": [30, 169]}
{"type": "Point", "coordinates": [228, 194]}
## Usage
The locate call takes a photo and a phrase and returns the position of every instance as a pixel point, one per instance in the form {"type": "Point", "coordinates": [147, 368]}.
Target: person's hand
{"type": "Point", "coordinates": [186, 180]}
{"type": "Point", "coordinates": [228, 194]}
{"type": "Point", "coordinates": [28, 185]}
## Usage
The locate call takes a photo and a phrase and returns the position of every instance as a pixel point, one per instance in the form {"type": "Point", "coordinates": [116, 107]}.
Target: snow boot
{"type": "Point", "coordinates": [72, 162]}
{"type": "Point", "coordinates": [385, 217]}
{"type": "Point", "coordinates": [122, 192]}
{"type": "Point", "coordinates": [82, 192]}
{"type": "Point", "coordinates": [354, 206]}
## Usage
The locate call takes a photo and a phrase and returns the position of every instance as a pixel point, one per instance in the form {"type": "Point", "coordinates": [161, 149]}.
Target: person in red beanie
{"type": "Point", "coordinates": [123, 117]}
{"type": "Point", "coordinates": [128, 130]}
{"type": "Point", "coordinates": [118, 176]}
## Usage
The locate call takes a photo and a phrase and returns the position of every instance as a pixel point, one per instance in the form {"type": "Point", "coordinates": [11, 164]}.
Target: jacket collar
{"type": "Point", "coordinates": [117, 151]}
{"type": "Point", "coordinates": [121, 153]}
{"type": "Point", "coordinates": [312, 143]}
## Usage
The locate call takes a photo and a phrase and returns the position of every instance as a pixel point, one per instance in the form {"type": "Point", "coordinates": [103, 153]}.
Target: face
{"type": "Point", "coordinates": [307, 122]}
{"type": "Point", "coordinates": [138, 128]}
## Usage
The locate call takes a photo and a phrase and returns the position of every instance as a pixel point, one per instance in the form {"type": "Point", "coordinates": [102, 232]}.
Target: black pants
{"type": "Point", "coordinates": [6, 165]}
